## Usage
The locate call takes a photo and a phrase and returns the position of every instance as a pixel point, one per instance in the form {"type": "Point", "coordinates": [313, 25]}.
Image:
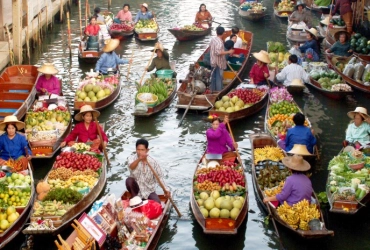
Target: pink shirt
{"type": "Point", "coordinates": [124, 16]}
{"type": "Point", "coordinates": [52, 85]}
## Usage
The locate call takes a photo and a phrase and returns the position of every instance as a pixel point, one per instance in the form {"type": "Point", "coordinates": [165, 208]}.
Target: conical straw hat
{"type": "Point", "coordinates": [84, 109]}
{"type": "Point", "coordinates": [11, 119]}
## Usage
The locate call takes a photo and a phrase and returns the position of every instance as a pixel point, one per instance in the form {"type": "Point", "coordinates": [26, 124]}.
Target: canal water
{"type": "Point", "coordinates": [178, 149]}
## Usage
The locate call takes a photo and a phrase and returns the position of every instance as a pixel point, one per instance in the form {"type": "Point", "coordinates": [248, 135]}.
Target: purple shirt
{"type": "Point", "coordinates": [296, 188]}
{"type": "Point", "coordinates": [218, 139]}
{"type": "Point", "coordinates": [52, 85]}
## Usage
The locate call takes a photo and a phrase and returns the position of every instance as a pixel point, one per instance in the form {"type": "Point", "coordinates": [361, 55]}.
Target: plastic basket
{"type": "Point", "coordinates": [164, 73]}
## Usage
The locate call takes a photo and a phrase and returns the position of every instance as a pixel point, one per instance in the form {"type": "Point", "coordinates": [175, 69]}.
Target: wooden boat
{"type": "Point", "coordinates": [336, 95]}
{"type": "Point", "coordinates": [282, 14]}
{"type": "Point", "coordinates": [218, 225]}
{"type": "Point", "coordinates": [18, 90]}
{"type": "Point", "coordinates": [260, 141]}
{"type": "Point", "coordinates": [204, 101]}
{"type": "Point", "coordinates": [121, 34]}
{"type": "Point", "coordinates": [292, 89]}
{"type": "Point", "coordinates": [147, 36]}
{"type": "Point", "coordinates": [101, 104]}
{"type": "Point", "coordinates": [252, 15]}
{"type": "Point", "coordinates": [24, 214]}
{"type": "Point", "coordinates": [77, 209]}
{"type": "Point", "coordinates": [187, 35]}
{"type": "Point", "coordinates": [296, 36]}
{"type": "Point", "coordinates": [310, 5]}
{"type": "Point", "coordinates": [242, 113]}
{"type": "Point", "coordinates": [158, 108]}
{"type": "Point", "coordinates": [355, 84]}
{"type": "Point", "coordinates": [87, 56]}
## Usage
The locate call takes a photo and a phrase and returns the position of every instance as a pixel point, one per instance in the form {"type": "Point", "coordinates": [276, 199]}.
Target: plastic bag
{"type": "Point", "coordinates": [349, 70]}
{"type": "Point", "coordinates": [151, 210]}
{"type": "Point", "coordinates": [359, 71]}
{"type": "Point", "coordinates": [366, 72]}
{"type": "Point", "coordinates": [294, 51]}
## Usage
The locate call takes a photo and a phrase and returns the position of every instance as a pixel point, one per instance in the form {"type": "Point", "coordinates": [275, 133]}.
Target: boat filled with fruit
{"type": "Point", "coordinates": [190, 32]}
{"type": "Point", "coordinates": [17, 193]}
{"type": "Point", "coordinates": [219, 196]}
{"type": "Point", "coordinates": [154, 95]}
{"type": "Point", "coordinates": [240, 103]}
{"type": "Point", "coordinates": [252, 11]}
{"type": "Point", "coordinates": [48, 122]}
{"type": "Point", "coordinates": [278, 55]}
{"type": "Point", "coordinates": [146, 30]}
{"type": "Point", "coordinates": [348, 183]}
{"type": "Point", "coordinates": [74, 182]}
{"type": "Point", "coordinates": [121, 30]}
{"type": "Point", "coordinates": [284, 8]}
{"type": "Point", "coordinates": [353, 71]}
{"type": "Point", "coordinates": [98, 91]}
{"type": "Point", "coordinates": [268, 175]}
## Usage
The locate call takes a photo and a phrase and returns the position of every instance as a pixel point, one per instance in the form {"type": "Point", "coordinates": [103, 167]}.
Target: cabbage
{"type": "Point", "coordinates": [338, 168]}
{"type": "Point", "coordinates": [315, 75]}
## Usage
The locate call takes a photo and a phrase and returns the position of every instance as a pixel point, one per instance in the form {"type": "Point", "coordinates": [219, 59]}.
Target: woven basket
{"type": "Point", "coordinates": [44, 143]}
{"type": "Point", "coordinates": [140, 98]}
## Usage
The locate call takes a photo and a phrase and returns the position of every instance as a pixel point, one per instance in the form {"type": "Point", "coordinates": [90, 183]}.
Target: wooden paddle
{"type": "Point", "coordinates": [164, 188]}
{"type": "Point", "coordinates": [150, 61]}
{"type": "Point", "coordinates": [101, 140]}
{"type": "Point", "coordinates": [327, 28]}
{"type": "Point", "coordinates": [236, 74]}
{"type": "Point", "coordinates": [187, 109]}
{"type": "Point", "coordinates": [236, 149]}
{"type": "Point", "coordinates": [129, 66]}
{"type": "Point", "coordinates": [276, 230]}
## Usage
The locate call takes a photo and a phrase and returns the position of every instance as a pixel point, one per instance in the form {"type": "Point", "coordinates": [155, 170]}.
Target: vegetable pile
{"type": "Point", "coordinates": [360, 44]}
{"type": "Point", "coordinates": [338, 22]}
{"type": "Point", "coordinates": [278, 55]}
{"type": "Point", "coordinates": [160, 87]}
{"type": "Point", "coordinates": [354, 69]}
{"type": "Point", "coordinates": [330, 80]}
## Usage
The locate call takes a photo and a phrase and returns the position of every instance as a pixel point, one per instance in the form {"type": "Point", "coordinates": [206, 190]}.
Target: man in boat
{"type": "Point", "coordinates": [142, 182]}
{"type": "Point", "coordinates": [218, 59]}
{"type": "Point", "coordinates": [291, 72]}
{"type": "Point", "coordinates": [239, 42]}
{"type": "Point", "coordinates": [109, 58]}
{"type": "Point", "coordinates": [161, 61]}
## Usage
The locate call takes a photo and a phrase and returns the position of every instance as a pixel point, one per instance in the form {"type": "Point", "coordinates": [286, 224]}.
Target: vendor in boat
{"type": "Point", "coordinates": [301, 15]}
{"type": "Point", "coordinates": [239, 42]}
{"type": "Point", "coordinates": [161, 61]}
{"type": "Point", "coordinates": [12, 144]}
{"type": "Point", "coordinates": [203, 16]}
{"type": "Point", "coordinates": [260, 72]}
{"type": "Point", "coordinates": [346, 12]}
{"type": "Point", "coordinates": [124, 15]}
{"type": "Point", "coordinates": [300, 134]}
{"type": "Point", "coordinates": [86, 130]}
{"type": "Point", "coordinates": [99, 17]}
{"type": "Point", "coordinates": [297, 186]}
{"type": "Point", "coordinates": [358, 131]}
{"type": "Point", "coordinates": [142, 181]}
{"type": "Point", "coordinates": [109, 58]}
{"type": "Point", "coordinates": [342, 46]}
{"type": "Point", "coordinates": [218, 138]}
{"type": "Point", "coordinates": [47, 83]}
{"type": "Point", "coordinates": [291, 72]}
{"type": "Point", "coordinates": [311, 48]}
{"type": "Point", "coordinates": [143, 14]}
{"type": "Point", "coordinates": [93, 28]}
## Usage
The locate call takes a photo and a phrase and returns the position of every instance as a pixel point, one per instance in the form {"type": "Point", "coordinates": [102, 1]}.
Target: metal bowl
{"type": "Point", "coordinates": [68, 149]}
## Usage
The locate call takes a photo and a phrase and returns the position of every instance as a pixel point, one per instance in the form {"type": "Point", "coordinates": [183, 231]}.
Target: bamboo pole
{"type": "Point", "coordinates": [69, 35]}
{"type": "Point", "coordinates": [47, 20]}
{"type": "Point", "coordinates": [109, 4]}
{"type": "Point", "coordinates": [79, 15]}
{"type": "Point", "coordinates": [61, 11]}
{"type": "Point", "coordinates": [28, 45]}
{"type": "Point", "coordinates": [86, 13]}
{"type": "Point", "coordinates": [11, 54]}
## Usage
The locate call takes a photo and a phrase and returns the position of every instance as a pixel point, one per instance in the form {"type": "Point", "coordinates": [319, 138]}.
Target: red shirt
{"type": "Point", "coordinates": [257, 72]}
{"type": "Point", "coordinates": [82, 134]}
{"type": "Point", "coordinates": [92, 29]}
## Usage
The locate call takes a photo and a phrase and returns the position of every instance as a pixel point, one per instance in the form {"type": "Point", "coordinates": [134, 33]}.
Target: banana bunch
{"type": "Point", "coordinates": [298, 215]}
{"type": "Point", "coordinates": [81, 146]}
{"type": "Point", "coordinates": [155, 86]}
{"type": "Point", "coordinates": [275, 190]}
{"type": "Point", "coordinates": [268, 153]}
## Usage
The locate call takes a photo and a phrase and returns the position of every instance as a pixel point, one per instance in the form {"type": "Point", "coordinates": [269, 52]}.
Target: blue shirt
{"type": "Point", "coordinates": [340, 49]}
{"type": "Point", "coordinates": [310, 44]}
{"type": "Point", "coordinates": [109, 60]}
{"type": "Point", "coordinates": [143, 16]}
{"type": "Point", "coordinates": [360, 134]}
{"type": "Point", "coordinates": [300, 135]}
{"type": "Point", "coordinates": [13, 148]}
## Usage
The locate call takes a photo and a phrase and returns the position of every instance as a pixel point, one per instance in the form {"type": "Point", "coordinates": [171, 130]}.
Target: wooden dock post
{"type": "Point", "coordinates": [17, 30]}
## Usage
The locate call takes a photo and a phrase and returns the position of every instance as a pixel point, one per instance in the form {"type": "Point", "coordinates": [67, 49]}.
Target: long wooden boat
{"type": "Point", "coordinates": [242, 113]}
{"type": "Point", "coordinates": [121, 34]}
{"type": "Point", "coordinates": [17, 90]}
{"type": "Point", "coordinates": [252, 15]}
{"type": "Point", "coordinates": [146, 36]}
{"type": "Point", "coordinates": [187, 35]}
{"type": "Point", "coordinates": [260, 141]}
{"type": "Point", "coordinates": [355, 84]}
{"type": "Point", "coordinates": [219, 225]}
{"type": "Point", "coordinates": [77, 209]}
{"type": "Point", "coordinates": [336, 95]}
{"type": "Point", "coordinates": [282, 14]}
{"type": "Point", "coordinates": [88, 56]}
{"type": "Point", "coordinates": [296, 36]}
{"type": "Point", "coordinates": [204, 101]}
{"type": "Point", "coordinates": [103, 103]}
{"type": "Point", "coordinates": [24, 214]}
{"type": "Point", "coordinates": [310, 5]}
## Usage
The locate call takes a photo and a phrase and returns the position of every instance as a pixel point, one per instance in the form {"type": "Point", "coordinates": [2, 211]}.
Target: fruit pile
{"type": "Point", "coordinates": [66, 173]}
{"type": "Point", "coordinates": [270, 192]}
{"type": "Point", "coordinates": [15, 190]}
{"type": "Point", "coordinates": [330, 80]}
{"type": "Point", "coordinates": [271, 176]}
{"type": "Point", "coordinates": [121, 27]}
{"type": "Point", "coordinates": [193, 27]}
{"type": "Point", "coordinates": [160, 87]}
{"type": "Point", "coordinates": [283, 107]}
{"type": "Point", "coordinates": [95, 89]}
{"type": "Point", "coordinates": [279, 95]}
{"type": "Point", "coordinates": [268, 153]}
{"type": "Point", "coordinates": [7, 217]}
{"type": "Point", "coordinates": [144, 26]}
{"type": "Point", "coordinates": [285, 5]}
{"type": "Point", "coordinates": [278, 124]}
{"type": "Point", "coordinates": [360, 44]}
{"type": "Point", "coordinates": [278, 55]}
{"type": "Point", "coordinates": [50, 208]}
{"type": "Point", "coordinates": [76, 182]}
{"type": "Point", "coordinates": [252, 6]}
{"type": "Point", "coordinates": [217, 206]}
{"type": "Point", "coordinates": [298, 215]}
{"type": "Point", "coordinates": [77, 161]}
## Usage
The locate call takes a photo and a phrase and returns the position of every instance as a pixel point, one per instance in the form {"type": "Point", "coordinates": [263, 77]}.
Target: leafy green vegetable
{"type": "Point", "coordinates": [322, 197]}
{"type": "Point", "coordinates": [66, 195]}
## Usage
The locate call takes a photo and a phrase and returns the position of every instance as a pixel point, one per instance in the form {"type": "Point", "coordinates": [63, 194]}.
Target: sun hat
{"type": "Point", "coordinates": [299, 4]}
{"type": "Point", "coordinates": [262, 56]}
{"type": "Point", "coordinates": [326, 21]}
{"type": "Point", "coordinates": [11, 119]}
{"type": "Point", "coordinates": [136, 202]}
{"type": "Point", "coordinates": [296, 162]}
{"type": "Point", "coordinates": [111, 45]}
{"type": "Point", "coordinates": [360, 110]}
{"type": "Point", "coordinates": [338, 33]}
{"type": "Point", "coordinates": [299, 149]}
{"type": "Point", "coordinates": [84, 109]}
{"type": "Point", "coordinates": [48, 68]}
{"type": "Point", "coordinates": [296, 82]}
{"type": "Point", "coordinates": [145, 5]}
{"type": "Point", "coordinates": [313, 31]}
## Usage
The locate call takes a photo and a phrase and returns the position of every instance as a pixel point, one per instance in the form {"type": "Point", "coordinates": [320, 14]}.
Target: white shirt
{"type": "Point", "coordinates": [291, 72]}
{"type": "Point", "coordinates": [238, 44]}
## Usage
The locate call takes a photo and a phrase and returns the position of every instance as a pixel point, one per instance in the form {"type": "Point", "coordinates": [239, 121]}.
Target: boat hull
{"type": "Point", "coordinates": [252, 16]}
{"type": "Point", "coordinates": [335, 95]}
{"type": "Point", "coordinates": [186, 35]}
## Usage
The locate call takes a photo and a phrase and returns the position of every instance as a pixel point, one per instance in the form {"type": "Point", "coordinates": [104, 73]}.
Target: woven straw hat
{"type": "Point", "coordinates": [313, 31]}
{"type": "Point", "coordinates": [136, 202]}
{"type": "Point", "coordinates": [48, 68]}
{"type": "Point", "coordinates": [111, 45]}
{"type": "Point", "coordinates": [296, 82]}
{"type": "Point", "coordinates": [362, 111]}
{"type": "Point", "coordinates": [296, 162]}
{"type": "Point", "coordinates": [338, 33]}
{"type": "Point", "coordinates": [11, 119]}
{"type": "Point", "coordinates": [83, 110]}
{"type": "Point", "coordinates": [262, 56]}
{"type": "Point", "coordinates": [144, 5]}
{"type": "Point", "coordinates": [326, 21]}
{"type": "Point", "coordinates": [299, 4]}
{"type": "Point", "coordinates": [299, 149]}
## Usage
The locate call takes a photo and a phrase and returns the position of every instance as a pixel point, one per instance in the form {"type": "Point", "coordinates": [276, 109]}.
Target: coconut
{"type": "Point", "coordinates": [226, 105]}
{"type": "Point", "coordinates": [227, 204]}
{"type": "Point", "coordinates": [225, 98]}
{"type": "Point", "coordinates": [234, 213]}
{"type": "Point", "coordinates": [218, 201]}
{"type": "Point", "coordinates": [224, 213]}
{"type": "Point", "coordinates": [88, 87]}
{"type": "Point", "coordinates": [230, 109]}
{"type": "Point", "coordinates": [214, 213]}
{"type": "Point", "coordinates": [234, 99]}
{"type": "Point", "coordinates": [218, 104]}
{"type": "Point", "coordinates": [204, 212]}
{"type": "Point", "coordinates": [209, 204]}
{"type": "Point", "coordinates": [96, 89]}
{"type": "Point", "coordinates": [91, 94]}
{"type": "Point", "coordinates": [107, 92]}
{"type": "Point", "coordinates": [203, 195]}
{"type": "Point", "coordinates": [222, 109]}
